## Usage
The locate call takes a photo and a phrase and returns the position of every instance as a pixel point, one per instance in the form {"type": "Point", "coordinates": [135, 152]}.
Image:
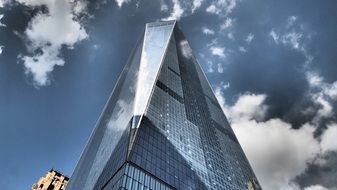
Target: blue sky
{"type": "Point", "coordinates": [272, 65]}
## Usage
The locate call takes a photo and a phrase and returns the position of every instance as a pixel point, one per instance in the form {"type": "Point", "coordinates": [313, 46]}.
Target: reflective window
{"type": "Point", "coordinates": [183, 139]}
{"type": "Point", "coordinates": [114, 123]}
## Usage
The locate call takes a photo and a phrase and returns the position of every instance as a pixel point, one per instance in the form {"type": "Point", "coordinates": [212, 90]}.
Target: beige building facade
{"type": "Point", "coordinates": [53, 180]}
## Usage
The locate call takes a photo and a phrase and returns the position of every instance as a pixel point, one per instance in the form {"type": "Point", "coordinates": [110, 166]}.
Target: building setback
{"type": "Point", "coordinates": [53, 180]}
{"type": "Point", "coordinates": [162, 127]}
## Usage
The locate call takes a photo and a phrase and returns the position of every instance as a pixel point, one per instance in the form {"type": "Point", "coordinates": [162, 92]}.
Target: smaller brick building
{"type": "Point", "coordinates": [53, 180]}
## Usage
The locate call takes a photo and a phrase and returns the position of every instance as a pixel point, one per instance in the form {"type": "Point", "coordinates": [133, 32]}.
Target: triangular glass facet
{"type": "Point", "coordinates": [163, 127]}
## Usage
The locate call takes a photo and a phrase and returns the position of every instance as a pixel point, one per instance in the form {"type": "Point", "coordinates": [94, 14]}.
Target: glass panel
{"type": "Point", "coordinates": [184, 137]}
{"type": "Point", "coordinates": [156, 38]}
{"type": "Point", "coordinates": [183, 141]}
{"type": "Point", "coordinates": [111, 126]}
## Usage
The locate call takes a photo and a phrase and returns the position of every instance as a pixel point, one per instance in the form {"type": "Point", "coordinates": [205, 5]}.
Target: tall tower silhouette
{"type": "Point", "coordinates": [162, 127]}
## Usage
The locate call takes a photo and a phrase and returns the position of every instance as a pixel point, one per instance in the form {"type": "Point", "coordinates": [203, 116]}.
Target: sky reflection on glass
{"type": "Point", "coordinates": [155, 43]}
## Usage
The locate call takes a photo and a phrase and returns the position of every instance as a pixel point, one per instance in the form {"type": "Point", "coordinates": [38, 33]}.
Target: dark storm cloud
{"type": "Point", "coordinates": [317, 173]}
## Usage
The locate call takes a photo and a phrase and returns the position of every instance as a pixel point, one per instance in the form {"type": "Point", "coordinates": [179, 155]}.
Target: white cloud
{"type": "Point", "coordinates": [180, 8]}
{"type": "Point", "coordinates": [242, 49]}
{"type": "Point", "coordinates": [218, 51]}
{"type": "Point", "coordinates": [45, 36]}
{"type": "Point", "coordinates": [322, 94]}
{"type": "Point", "coordinates": [210, 66]}
{"type": "Point", "coordinates": [227, 24]}
{"type": "Point", "coordinates": [220, 68]}
{"type": "Point", "coordinates": [220, 97]}
{"type": "Point", "coordinates": [222, 7]}
{"type": "Point", "coordinates": [163, 6]}
{"type": "Point", "coordinates": [185, 48]}
{"type": "Point", "coordinates": [225, 85]}
{"type": "Point", "coordinates": [274, 35]}
{"type": "Point", "coordinates": [45, 29]}
{"type": "Point", "coordinates": [1, 24]}
{"type": "Point", "coordinates": [227, 27]}
{"type": "Point", "coordinates": [41, 65]}
{"type": "Point", "coordinates": [143, 82]}
{"type": "Point", "coordinates": [293, 39]}
{"type": "Point", "coordinates": [196, 4]}
{"type": "Point", "coordinates": [296, 39]}
{"type": "Point", "coordinates": [122, 110]}
{"type": "Point", "coordinates": [79, 6]}
{"type": "Point", "coordinates": [3, 3]}
{"type": "Point", "coordinates": [317, 83]}
{"type": "Point", "coordinates": [230, 35]}
{"type": "Point", "coordinates": [277, 152]}
{"type": "Point", "coordinates": [249, 106]}
{"type": "Point", "coordinates": [331, 90]}
{"type": "Point", "coordinates": [326, 109]}
{"type": "Point", "coordinates": [249, 38]}
{"type": "Point", "coordinates": [177, 11]}
{"type": "Point", "coordinates": [314, 79]}
{"type": "Point", "coordinates": [329, 142]}
{"type": "Point", "coordinates": [121, 2]}
{"type": "Point", "coordinates": [218, 91]}
{"type": "Point", "coordinates": [212, 9]}
{"type": "Point", "coordinates": [316, 187]}
{"type": "Point", "coordinates": [291, 21]}
{"type": "Point", "coordinates": [291, 186]}
{"type": "Point", "coordinates": [207, 31]}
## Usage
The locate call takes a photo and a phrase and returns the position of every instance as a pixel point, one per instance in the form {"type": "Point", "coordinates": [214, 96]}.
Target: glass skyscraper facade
{"type": "Point", "coordinates": [162, 127]}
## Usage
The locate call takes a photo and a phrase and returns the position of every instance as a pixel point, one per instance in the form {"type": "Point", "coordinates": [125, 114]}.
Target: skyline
{"type": "Point", "coordinates": [271, 64]}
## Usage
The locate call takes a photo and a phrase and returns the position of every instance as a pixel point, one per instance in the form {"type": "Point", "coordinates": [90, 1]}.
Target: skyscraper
{"type": "Point", "coordinates": [162, 127]}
